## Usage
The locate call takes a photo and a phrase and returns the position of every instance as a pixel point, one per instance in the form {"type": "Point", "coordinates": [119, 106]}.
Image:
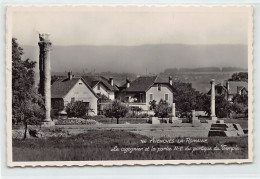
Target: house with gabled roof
{"type": "Point", "coordinates": [70, 89]}
{"type": "Point", "coordinates": [144, 89]}
{"type": "Point", "coordinates": [219, 90]}
{"type": "Point", "coordinates": [230, 88]}
{"type": "Point", "coordinates": [235, 87]}
{"type": "Point", "coordinates": [102, 86]}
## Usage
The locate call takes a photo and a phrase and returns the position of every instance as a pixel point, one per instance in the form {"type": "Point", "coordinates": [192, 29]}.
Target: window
{"type": "Point", "coordinates": [80, 83]}
{"type": "Point", "coordinates": [86, 104]}
{"type": "Point", "coordinates": [98, 87]}
{"type": "Point", "coordinates": [159, 87]}
{"type": "Point", "coordinates": [166, 97]}
{"type": "Point", "coordinates": [72, 100]}
{"type": "Point", "coordinates": [141, 99]}
{"type": "Point", "coordinates": [151, 96]}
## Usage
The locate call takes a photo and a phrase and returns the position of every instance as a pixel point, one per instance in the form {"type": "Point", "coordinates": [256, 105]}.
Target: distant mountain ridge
{"type": "Point", "coordinates": [205, 69]}
{"type": "Point", "coordinates": [142, 59]}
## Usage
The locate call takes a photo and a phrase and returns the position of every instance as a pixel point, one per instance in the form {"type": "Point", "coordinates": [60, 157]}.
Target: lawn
{"type": "Point", "coordinates": [243, 122]}
{"type": "Point", "coordinates": [97, 145]}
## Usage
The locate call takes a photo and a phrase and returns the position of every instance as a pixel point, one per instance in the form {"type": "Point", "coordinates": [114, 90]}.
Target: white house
{"type": "Point", "coordinates": [64, 91]}
{"type": "Point", "coordinates": [101, 86]}
{"type": "Point", "coordinates": [145, 89]}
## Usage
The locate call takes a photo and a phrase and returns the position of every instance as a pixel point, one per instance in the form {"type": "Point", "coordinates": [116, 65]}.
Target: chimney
{"type": "Point", "coordinates": [111, 81]}
{"type": "Point", "coordinates": [170, 80]}
{"type": "Point", "coordinates": [127, 83]}
{"type": "Point", "coordinates": [70, 75]}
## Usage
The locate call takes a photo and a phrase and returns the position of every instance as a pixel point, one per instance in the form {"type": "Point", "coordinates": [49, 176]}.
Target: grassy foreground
{"type": "Point", "coordinates": [97, 145]}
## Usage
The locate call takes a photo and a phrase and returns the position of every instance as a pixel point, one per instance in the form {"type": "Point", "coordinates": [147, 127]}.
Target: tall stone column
{"type": "Point", "coordinates": [45, 75]}
{"type": "Point", "coordinates": [212, 106]}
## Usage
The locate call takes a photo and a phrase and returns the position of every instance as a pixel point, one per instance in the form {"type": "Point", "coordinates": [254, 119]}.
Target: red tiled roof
{"type": "Point", "coordinates": [92, 81]}
{"type": "Point", "coordinates": [234, 86]}
{"type": "Point", "coordinates": [61, 87]}
{"type": "Point", "coordinates": [143, 83]}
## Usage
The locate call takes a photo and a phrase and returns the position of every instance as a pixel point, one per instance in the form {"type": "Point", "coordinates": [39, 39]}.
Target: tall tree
{"type": "Point", "coordinates": [27, 104]}
{"type": "Point", "coordinates": [187, 98]}
{"type": "Point", "coordinates": [241, 76]}
{"type": "Point", "coordinates": [240, 104]}
{"type": "Point", "coordinates": [222, 106]}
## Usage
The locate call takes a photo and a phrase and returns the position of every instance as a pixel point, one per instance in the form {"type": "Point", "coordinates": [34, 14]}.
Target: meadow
{"type": "Point", "coordinates": [97, 145]}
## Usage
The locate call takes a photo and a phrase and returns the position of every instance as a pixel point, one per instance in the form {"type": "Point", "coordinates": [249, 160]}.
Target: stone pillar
{"type": "Point", "coordinates": [212, 106]}
{"type": "Point", "coordinates": [174, 112]}
{"type": "Point", "coordinates": [45, 75]}
{"type": "Point", "coordinates": [174, 119]}
{"type": "Point", "coordinates": [195, 120]}
{"type": "Point", "coordinates": [193, 112]}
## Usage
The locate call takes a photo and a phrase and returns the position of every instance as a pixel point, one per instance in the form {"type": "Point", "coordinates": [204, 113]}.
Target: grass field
{"type": "Point", "coordinates": [243, 122]}
{"type": "Point", "coordinates": [97, 145]}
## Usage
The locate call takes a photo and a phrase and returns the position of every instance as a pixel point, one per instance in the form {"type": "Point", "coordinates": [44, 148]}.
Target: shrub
{"type": "Point", "coordinates": [116, 110]}
{"type": "Point", "coordinates": [76, 121]}
{"type": "Point", "coordinates": [162, 109]}
{"type": "Point", "coordinates": [76, 109]}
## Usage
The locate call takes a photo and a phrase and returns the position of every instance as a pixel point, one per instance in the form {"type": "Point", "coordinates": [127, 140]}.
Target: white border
{"type": "Point", "coordinates": [11, 163]}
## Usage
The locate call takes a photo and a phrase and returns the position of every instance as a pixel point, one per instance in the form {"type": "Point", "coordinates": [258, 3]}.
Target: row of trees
{"type": "Point", "coordinates": [187, 99]}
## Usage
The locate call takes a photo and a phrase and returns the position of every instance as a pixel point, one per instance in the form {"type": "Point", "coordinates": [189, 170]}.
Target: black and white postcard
{"type": "Point", "coordinates": [129, 85]}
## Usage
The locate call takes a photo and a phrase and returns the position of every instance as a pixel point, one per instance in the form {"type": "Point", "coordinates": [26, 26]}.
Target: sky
{"type": "Point", "coordinates": [132, 26]}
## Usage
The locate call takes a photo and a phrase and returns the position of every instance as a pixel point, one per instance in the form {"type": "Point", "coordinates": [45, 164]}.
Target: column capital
{"type": "Point", "coordinates": [212, 81]}
{"type": "Point", "coordinates": [45, 45]}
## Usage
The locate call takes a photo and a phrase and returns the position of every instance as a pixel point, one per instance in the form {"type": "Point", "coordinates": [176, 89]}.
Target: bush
{"type": "Point", "coordinates": [94, 117]}
{"type": "Point", "coordinates": [115, 110]}
{"type": "Point", "coordinates": [162, 109]}
{"type": "Point", "coordinates": [76, 121]}
{"type": "Point", "coordinates": [76, 109]}
{"type": "Point", "coordinates": [134, 115]}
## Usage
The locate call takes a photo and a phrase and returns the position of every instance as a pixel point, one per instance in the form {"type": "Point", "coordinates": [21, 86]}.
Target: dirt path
{"type": "Point", "coordinates": [155, 130]}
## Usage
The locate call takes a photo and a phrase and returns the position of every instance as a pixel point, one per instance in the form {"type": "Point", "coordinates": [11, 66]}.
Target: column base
{"type": "Point", "coordinates": [195, 122]}
{"type": "Point", "coordinates": [195, 118]}
{"type": "Point", "coordinates": [154, 120]}
{"type": "Point", "coordinates": [220, 121]}
{"type": "Point", "coordinates": [47, 123]}
{"type": "Point", "coordinates": [213, 118]}
{"type": "Point", "coordinates": [174, 118]}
